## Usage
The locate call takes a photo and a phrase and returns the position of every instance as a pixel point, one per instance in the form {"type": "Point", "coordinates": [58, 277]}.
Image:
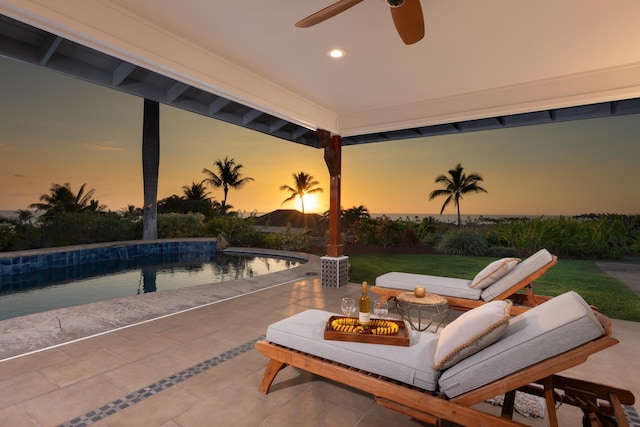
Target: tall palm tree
{"type": "Point", "coordinates": [61, 199]}
{"type": "Point", "coordinates": [456, 184]}
{"type": "Point", "coordinates": [228, 176]}
{"type": "Point", "coordinates": [304, 184]}
{"type": "Point", "coordinates": [150, 166]}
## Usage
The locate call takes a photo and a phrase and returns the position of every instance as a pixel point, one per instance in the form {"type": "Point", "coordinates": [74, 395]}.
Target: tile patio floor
{"type": "Point", "coordinates": [199, 368]}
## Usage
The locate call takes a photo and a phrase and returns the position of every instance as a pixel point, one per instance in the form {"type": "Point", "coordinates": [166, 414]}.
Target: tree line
{"type": "Point", "coordinates": [77, 218]}
{"type": "Point", "coordinates": [227, 175]}
{"type": "Point", "coordinates": [64, 217]}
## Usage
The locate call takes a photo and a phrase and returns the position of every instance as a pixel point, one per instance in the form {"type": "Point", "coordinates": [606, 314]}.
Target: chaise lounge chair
{"type": "Point", "coordinates": [439, 378]}
{"type": "Point", "coordinates": [500, 280]}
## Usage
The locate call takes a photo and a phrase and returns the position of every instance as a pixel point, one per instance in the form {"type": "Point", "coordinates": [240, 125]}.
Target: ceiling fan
{"type": "Point", "coordinates": [406, 14]}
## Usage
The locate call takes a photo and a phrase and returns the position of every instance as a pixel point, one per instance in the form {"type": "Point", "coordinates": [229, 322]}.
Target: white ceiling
{"type": "Point", "coordinates": [478, 58]}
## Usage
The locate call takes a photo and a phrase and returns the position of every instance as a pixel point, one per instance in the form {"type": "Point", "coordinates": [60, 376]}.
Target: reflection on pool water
{"type": "Point", "coordinates": [34, 292]}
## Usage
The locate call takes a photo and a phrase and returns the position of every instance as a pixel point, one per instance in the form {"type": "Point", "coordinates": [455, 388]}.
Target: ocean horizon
{"type": "Point", "coordinates": [418, 217]}
{"type": "Point", "coordinates": [8, 214]}
{"type": "Point", "coordinates": [451, 217]}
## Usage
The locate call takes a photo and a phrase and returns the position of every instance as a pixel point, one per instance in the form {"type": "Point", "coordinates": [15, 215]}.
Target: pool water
{"type": "Point", "coordinates": [22, 294]}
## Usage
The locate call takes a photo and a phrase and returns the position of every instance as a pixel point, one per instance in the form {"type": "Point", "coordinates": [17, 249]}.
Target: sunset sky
{"type": "Point", "coordinates": [55, 129]}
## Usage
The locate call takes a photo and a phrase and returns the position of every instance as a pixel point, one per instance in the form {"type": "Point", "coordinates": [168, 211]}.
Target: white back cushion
{"type": "Point", "coordinates": [527, 267]}
{"type": "Point", "coordinates": [551, 328]}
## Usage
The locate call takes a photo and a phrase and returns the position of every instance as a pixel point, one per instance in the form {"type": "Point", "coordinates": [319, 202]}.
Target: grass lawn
{"type": "Point", "coordinates": [612, 298]}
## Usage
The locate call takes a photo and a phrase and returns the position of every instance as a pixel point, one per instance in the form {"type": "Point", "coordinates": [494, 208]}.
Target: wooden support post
{"type": "Point", "coordinates": [334, 266]}
{"type": "Point", "coordinates": [333, 158]}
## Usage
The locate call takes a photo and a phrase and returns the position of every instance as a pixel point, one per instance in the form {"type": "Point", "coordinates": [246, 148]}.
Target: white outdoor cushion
{"type": "Point", "coordinates": [445, 286]}
{"type": "Point", "coordinates": [494, 271]}
{"type": "Point", "coordinates": [551, 328]}
{"type": "Point", "coordinates": [305, 332]}
{"type": "Point", "coordinates": [525, 268]}
{"type": "Point", "coordinates": [471, 332]}
{"type": "Point", "coordinates": [461, 288]}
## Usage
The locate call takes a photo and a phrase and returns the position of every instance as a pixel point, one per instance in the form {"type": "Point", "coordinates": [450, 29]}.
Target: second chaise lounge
{"type": "Point", "coordinates": [500, 280]}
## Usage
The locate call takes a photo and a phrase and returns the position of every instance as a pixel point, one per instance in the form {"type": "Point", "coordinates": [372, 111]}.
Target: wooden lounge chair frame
{"type": "Point", "coordinates": [595, 400]}
{"type": "Point", "coordinates": [521, 301]}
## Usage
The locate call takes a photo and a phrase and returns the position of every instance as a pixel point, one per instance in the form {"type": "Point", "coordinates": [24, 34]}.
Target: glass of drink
{"type": "Point", "coordinates": [380, 308]}
{"type": "Point", "coordinates": [348, 306]}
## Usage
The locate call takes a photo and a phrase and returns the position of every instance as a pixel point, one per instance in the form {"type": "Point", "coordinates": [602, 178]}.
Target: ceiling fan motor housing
{"type": "Point", "coordinates": [395, 3]}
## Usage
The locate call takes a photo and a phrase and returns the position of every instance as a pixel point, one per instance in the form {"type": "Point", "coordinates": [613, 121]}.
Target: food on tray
{"type": "Point", "coordinates": [375, 326]}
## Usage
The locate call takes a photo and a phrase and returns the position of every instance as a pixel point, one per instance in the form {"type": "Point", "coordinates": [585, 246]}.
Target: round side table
{"type": "Point", "coordinates": [422, 313]}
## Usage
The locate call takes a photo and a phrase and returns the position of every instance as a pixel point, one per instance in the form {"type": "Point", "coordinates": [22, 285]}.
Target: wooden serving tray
{"type": "Point", "coordinates": [400, 339]}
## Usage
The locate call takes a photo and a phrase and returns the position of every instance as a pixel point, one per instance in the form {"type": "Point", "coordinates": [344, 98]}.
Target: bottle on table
{"type": "Point", "coordinates": [364, 314]}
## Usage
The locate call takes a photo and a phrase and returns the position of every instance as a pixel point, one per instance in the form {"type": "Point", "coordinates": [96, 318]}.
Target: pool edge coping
{"type": "Point", "coordinates": [23, 326]}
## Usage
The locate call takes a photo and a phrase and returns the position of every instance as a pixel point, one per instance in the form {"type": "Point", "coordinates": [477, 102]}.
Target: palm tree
{"type": "Point", "coordinates": [196, 191]}
{"type": "Point", "coordinates": [61, 199]}
{"type": "Point", "coordinates": [95, 206]}
{"type": "Point", "coordinates": [457, 184]}
{"type": "Point", "coordinates": [150, 166]}
{"type": "Point", "coordinates": [220, 209]}
{"type": "Point", "coordinates": [304, 184]}
{"type": "Point", "coordinates": [130, 213]}
{"type": "Point", "coordinates": [228, 176]}
{"type": "Point", "coordinates": [196, 199]}
{"type": "Point", "coordinates": [25, 216]}
{"type": "Point", "coordinates": [354, 214]}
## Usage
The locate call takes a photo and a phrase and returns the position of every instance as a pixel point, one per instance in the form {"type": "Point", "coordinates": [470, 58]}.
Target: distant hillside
{"type": "Point", "coordinates": [285, 217]}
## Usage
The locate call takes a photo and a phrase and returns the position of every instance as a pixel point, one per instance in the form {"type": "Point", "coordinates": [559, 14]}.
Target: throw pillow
{"type": "Point", "coordinates": [471, 332]}
{"type": "Point", "coordinates": [492, 272]}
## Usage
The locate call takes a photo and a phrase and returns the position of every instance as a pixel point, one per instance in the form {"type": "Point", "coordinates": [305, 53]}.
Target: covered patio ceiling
{"type": "Point", "coordinates": [482, 65]}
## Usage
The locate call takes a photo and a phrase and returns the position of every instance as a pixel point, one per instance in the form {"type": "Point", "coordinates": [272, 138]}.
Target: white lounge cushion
{"type": "Point", "coordinates": [305, 332]}
{"type": "Point", "coordinates": [461, 288]}
{"type": "Point", "coordinates": [525, 268]}
{"type": "Point", "coordinates": [492, 272]}
{"type": "Point", "coordinates": [445, 286]}
{"type": "Point", "coordinates": [471, 332]}
{"type": "Point", "coordinates": [541, 332]}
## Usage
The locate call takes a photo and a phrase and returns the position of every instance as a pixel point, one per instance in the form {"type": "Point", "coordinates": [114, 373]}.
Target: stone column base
{"type": "Point", "coordinates": [334, 271]}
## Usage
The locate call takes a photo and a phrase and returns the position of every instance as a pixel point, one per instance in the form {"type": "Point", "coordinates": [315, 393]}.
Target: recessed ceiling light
{"type": "Point", "coordinates": [336, 53]}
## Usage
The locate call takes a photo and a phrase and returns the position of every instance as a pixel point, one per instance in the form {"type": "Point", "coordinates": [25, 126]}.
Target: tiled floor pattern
{"type": "Point", "coordinates": [150, 390]}
{"type": "Point", "coordinates": [165, 383]}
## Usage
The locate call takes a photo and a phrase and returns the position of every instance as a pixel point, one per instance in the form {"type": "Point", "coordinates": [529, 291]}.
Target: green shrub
{"type": "Point", "coordinates": [388, 232]}
{"type": "Point", "coordinates": [288, 241]}
{"type": "Point", "coordinates": [174, 225]}
{"type": "Point", "coordinates": [593, 236]}
{"type": "Point", "coordinates": [7, 236]}
{"type": "Point", "coordinates": [463, 242]}
{"type": "Point", "coordinates": [66, 229]}
{"type": "Point", "coordinates": [385, 232]}
{"type": "Point", "coordinates": [365, 231]}
{"type": "Point", "coordinates": [237, 230]}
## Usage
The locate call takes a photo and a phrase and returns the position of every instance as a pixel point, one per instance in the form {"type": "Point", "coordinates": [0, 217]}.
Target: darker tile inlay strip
{"type": "Point", "coordinates": [153, 389]}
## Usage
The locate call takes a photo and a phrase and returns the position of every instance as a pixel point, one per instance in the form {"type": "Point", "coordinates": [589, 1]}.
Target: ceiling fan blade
{"type": "Point", "coordinates": [327, 12]}
{"type": "Point", "coordinates": [409, 21]}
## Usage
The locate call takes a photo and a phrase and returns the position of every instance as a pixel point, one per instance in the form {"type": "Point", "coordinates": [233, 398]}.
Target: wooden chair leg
{"type": "Point", "coordinates": [270, 373]}
{"type": "Point", "coordinates": [508, 405]}
{"type": "Point", "coordinates": [618, 413]}
{"type": "Point", "coordinates": [550, 401]}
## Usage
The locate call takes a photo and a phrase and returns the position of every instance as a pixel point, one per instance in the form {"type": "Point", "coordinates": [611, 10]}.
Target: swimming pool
{"type": "Point", "coordinates": [43, 290]}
